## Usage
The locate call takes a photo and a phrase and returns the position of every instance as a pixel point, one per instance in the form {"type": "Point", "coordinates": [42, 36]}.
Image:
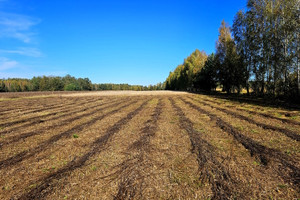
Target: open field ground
{"type": "Point", "coordinates": [146, 145]}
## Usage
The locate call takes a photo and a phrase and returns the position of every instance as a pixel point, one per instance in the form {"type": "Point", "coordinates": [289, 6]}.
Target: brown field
{"type": "Point", "coordinates": [146, 145]}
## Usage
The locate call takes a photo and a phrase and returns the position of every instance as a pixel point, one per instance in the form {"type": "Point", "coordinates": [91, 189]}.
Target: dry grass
{"type": "Point", "coordinates": [145, 145]}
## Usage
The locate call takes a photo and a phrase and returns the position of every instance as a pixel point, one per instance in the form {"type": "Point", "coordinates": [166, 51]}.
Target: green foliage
{"type": "Point", "coordinates": [206, 79]}
{"type": "Point", "coordinates": [267, 39]}
{"type": "Point", "coordinates": [183, 77]}
{"type": "Point", "coordinates": [71, 87]}
{"type": "Point", "coordinates": [264, 54]}
{"type": "Point", "coordinates": [75, 136]}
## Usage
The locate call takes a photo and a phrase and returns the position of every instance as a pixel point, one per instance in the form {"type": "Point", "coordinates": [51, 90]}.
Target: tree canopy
{"type": "Point", "coordinates": [260, 53]}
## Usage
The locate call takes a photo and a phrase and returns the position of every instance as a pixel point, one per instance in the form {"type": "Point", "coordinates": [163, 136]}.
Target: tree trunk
{"type": "Point", "coordinates": [298, 75]}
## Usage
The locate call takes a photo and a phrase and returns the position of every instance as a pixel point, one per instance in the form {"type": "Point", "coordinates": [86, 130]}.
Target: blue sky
{"type": "Point", "coordinates": [109, 41]}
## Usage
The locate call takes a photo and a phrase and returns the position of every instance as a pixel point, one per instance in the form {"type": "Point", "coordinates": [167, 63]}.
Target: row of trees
{"type": "Point", "coordinates": [66, 83]}
{"type": "Point", "coordinates": [111, 86]}
{"type": "Point", "coordinates": [45, 83]}
{"type": "Point", "coordinates": [184, 76]}
{"type": "Point", "coordinates": [262, 56]}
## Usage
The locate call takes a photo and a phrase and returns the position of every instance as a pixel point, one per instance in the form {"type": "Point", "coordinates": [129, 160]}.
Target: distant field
{"type": "Point", "coordinates": [146, 145]}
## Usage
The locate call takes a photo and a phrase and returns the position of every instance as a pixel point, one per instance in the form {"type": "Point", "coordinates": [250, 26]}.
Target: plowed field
{"type": "Point", "coordinates": [146, 145]}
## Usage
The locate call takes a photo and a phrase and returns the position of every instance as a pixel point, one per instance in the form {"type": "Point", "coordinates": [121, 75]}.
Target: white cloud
{"type": "Point", "coordinates": [25, 51]}
{"type": "Point", "coordinates": [6, 64]}
{"type": "Point", "coordinates": [17, 26]}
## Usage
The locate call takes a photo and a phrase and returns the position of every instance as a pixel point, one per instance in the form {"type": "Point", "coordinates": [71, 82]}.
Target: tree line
{"type": "Point", "coordinates": [66, 83]}
{"type": "Point", "coordinates": [259, 53]}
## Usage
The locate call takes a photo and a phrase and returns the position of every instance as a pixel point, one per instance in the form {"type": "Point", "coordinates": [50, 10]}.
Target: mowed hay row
{"type": "Point", "coordinates": [267, 134]}
{"type": "Point", "coordinates": [289, 116]}
{"type": "Point", "coordinates": [145, 147]}
{"type": "Point", "coordinates": [44, 140]}
{"type": "Point", "coordinates": [290, 130]}
{"type": "Point", "coordinates": [103, 171]}
{"type": "Point", "coordinates": [23, 121]}
{"type": "Point", "coordinates": [45, 186]}
{"type": "Point", "coordinates": [235, 172]}
{"type": "Point", "coordinates": [35, 136]}
{"type": "Point", "coordinates": [36, 108]}
{"type": "Point", "coordinates": [63, 147]}
{"type": "Point", "coordinates": [269, 157]}
{"type": "Point", "coordinates": [44, 118]}
{"type": "Point", "coordinates": [28, 106]}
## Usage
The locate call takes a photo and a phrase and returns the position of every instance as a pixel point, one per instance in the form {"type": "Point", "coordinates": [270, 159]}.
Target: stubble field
{"type": "Point", "coordinates": [146, 145]}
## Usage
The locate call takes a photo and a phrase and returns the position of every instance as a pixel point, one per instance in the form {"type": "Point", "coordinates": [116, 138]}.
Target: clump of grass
{"type": "Point", "coordinates": [5, 188]}
{"type": "Point", "coordinates": [45, 170]}
{"type": "Point", "coordinates": [254, 131]}
{"type": "Point", "coordinates": [256, 163]}
{"type": "Point", "coordinates": [75, 136]}
{"type": "Point", "coordinates": [32, 186]}
{"type": "Point", "coordinates": [240, 128]}
{"type": "Point", "coordinates": [282, 186]}
{"type": "Point", "coordinates": [288, 152]}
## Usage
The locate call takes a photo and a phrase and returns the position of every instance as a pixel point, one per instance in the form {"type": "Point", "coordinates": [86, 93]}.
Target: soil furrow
{"type": "Point", "coordinates": [62, 123]}
{"type": "Point", "coordinates": [290, 175]}
{"type": "Point", "coordinates": [31, 152]}
{"type": "Point", "coordinates": [131, 170]}
{"type": "Point", "coordinates": [211, 169]}
{"type": "Point", "coordinates": [288, 133]}
{"type": "Point", "coordinates": [46, 184]}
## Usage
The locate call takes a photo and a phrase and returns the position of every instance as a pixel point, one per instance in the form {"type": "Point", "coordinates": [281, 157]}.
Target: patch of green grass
{"type": "Point", "coordinates": [45, 170]}
{"type": "Point", "coordinates": [94, 168]}
{"type": "Point", "coordinates": [32, 186]}
{"type": "Point", "coordinates": [66, 197]}
{"type": "Point", "coordinates": [201, 130]}
{"type": "Point", "coordinates": [274, 141]}
{"type": "Point", "coordinates": [282, 186]}
{"type": "Point", "coordinates": [288, 152]}
{"type": "Point", "coordinates": [240, 128]}
{"type": "Point", "coordinates": [75, 136]}
{"type": "Point", "coordinates": [5, 188]}
{"type": "Point", "coordinates": [256, 163]}
{"type": "Point", "coordinates": [254, 131]}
